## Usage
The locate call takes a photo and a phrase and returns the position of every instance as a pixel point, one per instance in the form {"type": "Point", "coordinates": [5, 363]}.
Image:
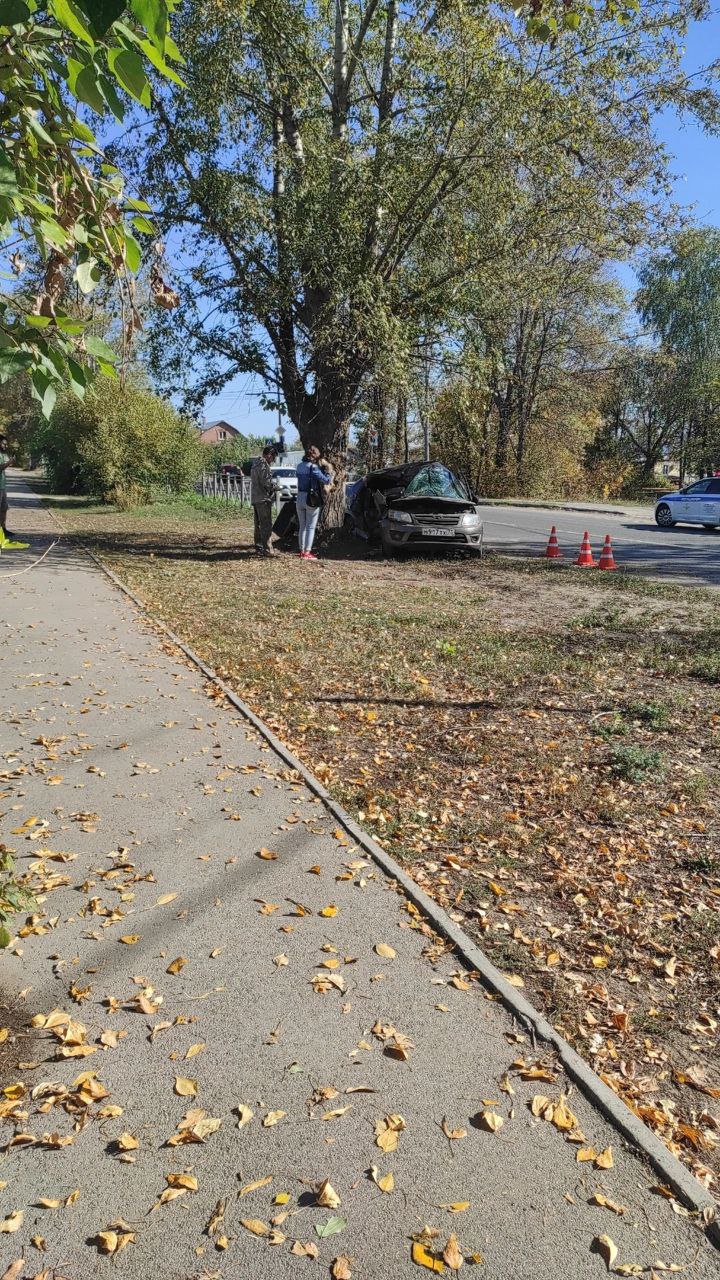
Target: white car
{"type": "Point", "coordinates": [697, 503]}
{"type": "Point", "coordinates": [286, 481]}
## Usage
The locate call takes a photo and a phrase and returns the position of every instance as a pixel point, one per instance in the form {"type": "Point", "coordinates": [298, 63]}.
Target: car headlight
{"type": "Point", "coordinates": [469, 519]}
{"type": "Point", "coordinates": [400, 517]}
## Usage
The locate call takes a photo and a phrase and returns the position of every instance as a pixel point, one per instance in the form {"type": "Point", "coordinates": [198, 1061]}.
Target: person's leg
{"type": "Point", "coordinates": [302, 510]}
{"type": "Point", "coordinates": [313, 515]}
{"type": "Point", "coordinates": [3, 510]}
{"type": "Point", "coordinates": [266, 527]}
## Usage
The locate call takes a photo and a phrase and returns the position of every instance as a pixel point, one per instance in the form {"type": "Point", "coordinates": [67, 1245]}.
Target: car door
{"type": "Point", "coordinates": [690, 505]}
{"type": "Point", "coordinates": [712, 502]}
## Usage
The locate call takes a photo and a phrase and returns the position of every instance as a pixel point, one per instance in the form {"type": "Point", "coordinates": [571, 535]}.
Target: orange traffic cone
{"type": "Point", "coordinates": [553, 551]}
{"type": "Point", "coordinates": [607, 559]}
{"type": "Point", "coordinates": [585, 557]}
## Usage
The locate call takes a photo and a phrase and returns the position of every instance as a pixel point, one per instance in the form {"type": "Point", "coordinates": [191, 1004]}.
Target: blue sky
{"type": "Point", "coordinates": [696, 169]}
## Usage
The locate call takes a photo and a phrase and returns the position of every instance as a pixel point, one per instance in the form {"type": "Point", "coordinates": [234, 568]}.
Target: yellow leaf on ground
{"type": "Point", "coordinates": [341, 1268]}
{"type": "Point", "coordinates": [385, 950]}
{"type": "Point", "coordinates": [185, 1088]}
{"type": "Point", "coordinates": [599, 1199]}
{"type": "Point", "coordinates": [327, 1196]}
{"type": "Point", "coordinates": [454, 1134]}
{"type": "Point", "coordinates": [605, 1159]}
{"type": "Point", "coordinates": [423, 1258]}
{"type": "Point", "coordinates": [245, 1114]}
{"type": "Point", "coordinates": [130, 939]}
{"type": "Point", "coordinates": [490, 1120]}
{"type": "Point", "coordinates": [385, 1182]}
{"type": "Point", "coordinates": [584, 1154]}
{"type": "Point", "coordinates": [127, 1142]}
{"type": "Point", "coordinates": [194, 1050]}
{"type": "Point", "coordinates": [12, 1223]}
{"type": "Point", "coordinates": [330, 910]}
{"type": "Point", "coordinates": [254, 1186]}
{"type": "Point", "coordinates": [304, 1249]}
{"type": "Point", "coordinates": [273, 1117]}
{"type": "Point", "coordinates": [283, 1197]}
{"type": "Point", "coordinates": [458, 1207]}
{"type": "Point", "coordinates": [255, 1226]}
{"type": "Point", "coordinates": [607, 1249]}
{"type": "Point", "coordinates": [184, 1180]}
{"type": "Point", "coordinates": [267, 855]}
{"type": "Point", "coordinates": [177, 965]}
{"type": "Point", "coordinates": [165, 898]}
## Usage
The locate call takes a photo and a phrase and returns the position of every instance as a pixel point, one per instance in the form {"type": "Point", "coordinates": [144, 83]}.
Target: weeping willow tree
{"type": "Point", "coordinates": [333, 177]}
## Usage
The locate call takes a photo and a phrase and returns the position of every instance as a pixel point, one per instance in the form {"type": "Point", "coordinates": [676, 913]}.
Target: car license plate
{"type": "Point", "coordinates": [437, 533]}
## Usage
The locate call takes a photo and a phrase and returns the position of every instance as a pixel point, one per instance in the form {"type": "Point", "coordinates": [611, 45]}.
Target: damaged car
{"type": "Point", "coordinates": [419, 504]}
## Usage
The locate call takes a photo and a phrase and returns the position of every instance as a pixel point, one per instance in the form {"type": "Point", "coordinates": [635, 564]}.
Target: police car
{"type": "Point", "coordinates": [697, 503]}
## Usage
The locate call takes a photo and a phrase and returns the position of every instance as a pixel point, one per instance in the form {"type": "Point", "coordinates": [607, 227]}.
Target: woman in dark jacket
{"type": "Point", "coordinates": [312, 472]}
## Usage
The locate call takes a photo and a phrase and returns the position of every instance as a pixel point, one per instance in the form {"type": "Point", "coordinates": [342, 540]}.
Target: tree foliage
{"type": "Point", "coordinates": [122, 444]}
{"type": "Point", "coordinates": [343, 178]}
{"type": "Point", "coordinates": [59, 198]}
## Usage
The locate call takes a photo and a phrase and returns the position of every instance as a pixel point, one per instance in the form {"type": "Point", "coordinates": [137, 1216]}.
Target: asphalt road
{"type": "Point", "coordinates": [142, 806]}
{"type": "Point", "coordinates": [686, 553]}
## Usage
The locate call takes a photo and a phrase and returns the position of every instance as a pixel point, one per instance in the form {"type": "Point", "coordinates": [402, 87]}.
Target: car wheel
{"type": "Point", "coordinates": [663, 516]}
{"type": "Point", "coordinates": [711, 526]}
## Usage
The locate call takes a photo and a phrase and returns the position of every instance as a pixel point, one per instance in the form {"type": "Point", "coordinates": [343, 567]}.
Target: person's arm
{"type": "Point", "coordinates": [323, 472]}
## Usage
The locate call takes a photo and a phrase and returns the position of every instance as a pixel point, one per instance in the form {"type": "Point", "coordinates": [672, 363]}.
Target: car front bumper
{"type": "Point", "coordinates": [412, 535]}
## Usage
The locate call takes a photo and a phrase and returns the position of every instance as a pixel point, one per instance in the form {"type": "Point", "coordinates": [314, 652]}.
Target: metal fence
{"type": "Point", "coordinates": [231, 488]}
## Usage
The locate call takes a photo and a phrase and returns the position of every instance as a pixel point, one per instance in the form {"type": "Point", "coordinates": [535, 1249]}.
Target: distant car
{"type": "Point", "coordinates": [697, 503]}
{"type": "Point", "coordinates": [286, 481]}
{"type": "Point", "coordinates": [230, 470]}
{"type": "Point", "coordinates": [420, 504]}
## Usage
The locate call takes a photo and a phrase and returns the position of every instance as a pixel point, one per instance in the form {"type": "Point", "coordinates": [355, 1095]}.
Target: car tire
{"type": "Point", "coordinates": [663, 516]}
{"type": "Point", "coordinates": [711, 526]}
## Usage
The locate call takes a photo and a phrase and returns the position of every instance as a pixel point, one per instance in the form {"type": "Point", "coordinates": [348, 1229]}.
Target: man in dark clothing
{"type": "Point", "coordinates": [262, 492]}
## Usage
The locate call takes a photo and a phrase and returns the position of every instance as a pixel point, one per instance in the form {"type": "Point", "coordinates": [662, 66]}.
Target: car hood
{"type": "Point", "coordinates": [419, 503]}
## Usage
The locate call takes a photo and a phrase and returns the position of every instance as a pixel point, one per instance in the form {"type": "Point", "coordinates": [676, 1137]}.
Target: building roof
{"type": "Point", "coordinates": [220, 422]}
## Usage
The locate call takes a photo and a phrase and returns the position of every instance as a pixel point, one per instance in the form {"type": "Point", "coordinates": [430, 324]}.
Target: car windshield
{"type": "Point", "coordinates": [284, 472]}
{"type": "Point", "coordinates": [435, 481]}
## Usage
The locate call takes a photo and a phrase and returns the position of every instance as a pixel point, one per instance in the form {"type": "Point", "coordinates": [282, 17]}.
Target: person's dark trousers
{"type": "Point", "coordinates": [262, 512]}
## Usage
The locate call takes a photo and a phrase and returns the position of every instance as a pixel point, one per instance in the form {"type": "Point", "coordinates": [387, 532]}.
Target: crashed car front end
{"type": "Point", "coordinates": [436, 509]}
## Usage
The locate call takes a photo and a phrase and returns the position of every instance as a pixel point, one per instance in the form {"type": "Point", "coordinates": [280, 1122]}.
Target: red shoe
{"type": "Point", "coordinates": [302, 554]}
{"type": "Point", "coordinates": [309, 556]}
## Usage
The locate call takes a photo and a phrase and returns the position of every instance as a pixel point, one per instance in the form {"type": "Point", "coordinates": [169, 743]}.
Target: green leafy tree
{"type": "Point", "coordinates": [336, 174]}
{"type": "Point", "coordinates": [679, 301]}
{"type": "Point", "coordinates": [121, 444]}
{"type": "Point", "coordinates": [59, 198]}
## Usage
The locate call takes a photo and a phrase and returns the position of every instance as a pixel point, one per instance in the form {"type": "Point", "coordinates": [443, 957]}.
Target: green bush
{"type": "Point", "coordinates": [634, 764]}
{"type": "Point", "coordinates": [121, 443]}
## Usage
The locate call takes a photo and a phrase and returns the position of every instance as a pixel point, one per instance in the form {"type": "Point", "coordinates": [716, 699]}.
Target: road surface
{"type": "Point", "coordinates": [686, 553]}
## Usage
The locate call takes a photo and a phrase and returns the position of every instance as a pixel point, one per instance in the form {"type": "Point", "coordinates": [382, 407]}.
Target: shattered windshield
{"type": "Point", "coordinates": [435, 481]}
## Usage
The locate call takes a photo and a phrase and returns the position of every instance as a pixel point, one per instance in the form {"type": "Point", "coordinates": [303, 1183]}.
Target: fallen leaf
{"type": "Point", "coordinates": [423, 1258]}
{"type": "Point", "coordinates": [280, 961]}
{"type": "Point", "coordinates": [452, 1255]}
{"type": "Point", "coordinates": [490, 1120]}
{"type": "Point", "coordinates": [385, 1182]}
{"type": "Point", "coordinates": [15, 1270]}
{"type": "Point", "coordinates": [605, 1159]}
{"type": "Point", "coordinates": [273, 1117]}
{"type": "Point", "coordinates": [585, 1154]}
{"type": "Point", "coordinates": [453, 1134]}
{"type": "Point", "coordinates": [458, 1207]}
{"type": "Point", "coordinates": [130, 939]}
{"type": "Point", "coordinates": [177, 965]}
{"type": "Point", "coordinates": [387, 1132]}
{"type": "Point", "coordinates": [13, 1222]}
{"type": "Point", "coordinates": [267, 855]}
{"type": "Point", "coordinates": [194, 1050]}
{"type": "Point", "coordinates": [599, 1199]}
{"type": "Point", "coordinates": [245, 1115]}
{"type": "Point", "coordinates": [126, 1142]}
{"type": "Point", "coordinates": [165, 898]}
{"type": "Point", "coordinates": [255, 1226]}
{"type": "Point", "coordinates": [332, 1227]}
{"type": "Point", "coordinates": [383, 949]}
{"type": "Point", "coordinates": [304, 1249]}
{"type": "Point", "coordinates": [185, 1088]}
{"type": "Point", "coordinates": [341, 1268]}
{"type": "Point", "coordinates": [327, 1197]}
{"type": "Point", "coordinates": [186, 1181]}
{"type": "Point", "coordinates": [254, 1186]}
{"type": "Point", "coordinates": [328, 911]}
{"type": "Point", "coordinates": [607, 1250]}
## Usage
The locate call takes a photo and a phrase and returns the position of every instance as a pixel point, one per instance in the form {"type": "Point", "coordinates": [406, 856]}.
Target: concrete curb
{"type": "Point", "coordinates": [553, 506]}
{"type": "Point", "coordinates": [673, 1173]}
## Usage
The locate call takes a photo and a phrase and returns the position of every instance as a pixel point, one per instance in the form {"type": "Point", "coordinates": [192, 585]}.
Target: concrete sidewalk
{"type": "Point", "coordinates": [146, 816]}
